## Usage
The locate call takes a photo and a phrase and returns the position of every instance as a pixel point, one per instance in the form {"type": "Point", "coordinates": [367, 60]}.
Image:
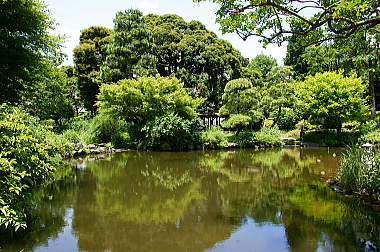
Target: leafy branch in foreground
{"type": "Point", "coordinates": [274, 21]}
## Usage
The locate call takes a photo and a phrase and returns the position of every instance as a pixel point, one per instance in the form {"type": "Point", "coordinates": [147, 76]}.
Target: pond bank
{"type": "Point", "coordinates": [80, 150]}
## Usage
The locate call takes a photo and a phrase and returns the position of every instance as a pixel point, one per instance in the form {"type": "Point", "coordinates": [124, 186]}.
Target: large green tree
{"type": "Point", "coordinates": [54, 96]}
{"type": "Point", "coordinates": [25, 45]}
{"type": "Point", "coordinates": [358, 54]}
{"type": "Point", "coordinates": [154, 109]}
{"type": "Point", "coordinates": [195, 55]}
{"type": "Point", "coordinates": [89, 56]}
{"type": "Point", "coordinates": [248, 103]}
{"type": "Point", "coordinates": [129, 53]}
{"type": "Point", "coordinates": [330, 99]}
{"type": "Point", "coordinates": [263, 63]}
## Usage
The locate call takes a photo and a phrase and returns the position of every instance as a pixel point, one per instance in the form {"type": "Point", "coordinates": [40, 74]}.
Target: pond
{"type": "Point", "coordinates": [235, 200]}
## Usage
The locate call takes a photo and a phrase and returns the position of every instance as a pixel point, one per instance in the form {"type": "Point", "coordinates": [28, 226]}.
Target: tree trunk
{"type": "Point", "coordinates": [372, 82]}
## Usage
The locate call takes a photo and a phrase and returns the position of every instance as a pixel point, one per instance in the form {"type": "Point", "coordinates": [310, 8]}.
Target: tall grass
{"type": "Point", "coordinates": [359, 172]}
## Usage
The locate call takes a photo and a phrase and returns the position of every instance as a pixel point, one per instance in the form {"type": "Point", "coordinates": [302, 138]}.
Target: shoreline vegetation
{"type": "Point", "coordinates": [143, 84]}
{"type": "Point", "coordinates": [359, 173]}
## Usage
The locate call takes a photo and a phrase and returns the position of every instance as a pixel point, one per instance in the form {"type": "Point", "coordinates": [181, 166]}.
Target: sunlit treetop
{"type": "Point", "coordinates": [275, 20]}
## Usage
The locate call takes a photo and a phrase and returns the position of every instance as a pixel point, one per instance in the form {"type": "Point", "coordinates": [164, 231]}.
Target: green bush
{"type": "Point", "coordinates": [371, 137]}
{"type": "Point", "coordinates": [168, 132]}
{"type": "Point", "coordinates": [78, 130]}
{"type": "Point", "coordinates": [268, 138]}
{"type": "Point", "coordinates": [214, 138]}
{"type": "Point", "coordinates": [143, 100]}
{"type": "Point", "coordinates": [142, 108]}
{"type": "Point", "coordinates": [332, 138]}
{"type": "Point", "coordinates": [105, 128]}
{"type": "Point", "coordinates": [236, 121]}
{"type": "Point", "coordinates": [330, 99]}
{"type": "Point", "coordinates": [359, 172]}
{"type": "Point", "coordinates": [27, 159]}
{"type": "Point", "coordinates": [287, 119]}
{"type": "Point", "coordinates": [263, 138]}
{"type": "Point", "coordinates": [72, 136]}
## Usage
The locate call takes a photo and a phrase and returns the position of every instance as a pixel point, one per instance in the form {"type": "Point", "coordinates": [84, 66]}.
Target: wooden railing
{"type": "Point", "coordinates": [209, 120]}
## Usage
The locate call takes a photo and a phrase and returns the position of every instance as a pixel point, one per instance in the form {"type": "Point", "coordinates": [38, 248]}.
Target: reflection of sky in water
{"type": "Point", "coordinates": [254, 237]}
{"type": "Point", "coordinates": [213, 201]}
{"type": "Point", "coordinates": [65, 241]}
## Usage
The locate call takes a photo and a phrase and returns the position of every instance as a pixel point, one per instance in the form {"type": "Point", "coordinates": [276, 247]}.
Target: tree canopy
{"type": "Point", "coordinates": [25, 45]}
{"type": "Point", "coordinates": [329, 99]}
{"type": "Point", "coordinates": [275, 20]}
{"type": "Point", "coordinates": [195, 55]}
{"type": "Point", "coordinates": [129, 53]}
{"type": "Point", "coordinates": [89, 56]}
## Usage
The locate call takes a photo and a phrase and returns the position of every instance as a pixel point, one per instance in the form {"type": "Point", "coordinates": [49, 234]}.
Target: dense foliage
{"type": "Point", "coordinates": [129, 53]}
{"type": "Point", "coordinates": [54, 96]}
{"type": "Point", "coordinates": [141, 102]}
{"type": "Point", "coordinates": [89, 56]}
{"type": "Point", "coordinates": [241, 104]}
{"type": "Point", "coordinates": [26, 46]}
{"type": "Point", "coordinates": [249, 101]}
{"type": "Point", "coordinates": [261, 139]}
{"type": "Point", "coordinates": [27, 159]}
{"type": "Point", "coordinates": [359, 172]}
{"type": "Point", "coordinates": [214, 138]}
{"type": "Point", "coordinates": [169, 132]}
{"type": "Point", "coordinates": [196, 56]}
{"type": "Point", "coordinates": [330, 99]}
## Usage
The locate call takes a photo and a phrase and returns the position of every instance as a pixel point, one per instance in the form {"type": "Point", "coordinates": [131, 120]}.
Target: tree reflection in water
{"type": "Point", "coordinates": [194, 201]}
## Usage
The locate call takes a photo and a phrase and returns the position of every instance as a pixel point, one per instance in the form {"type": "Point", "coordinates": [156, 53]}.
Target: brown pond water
{"type": "Point", "coordinates": [240, 200]}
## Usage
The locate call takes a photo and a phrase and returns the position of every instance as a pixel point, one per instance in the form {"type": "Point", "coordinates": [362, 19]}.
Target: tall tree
{"type": "Point", "coordinates": [25, 45]}
{"type": "Point", "coordinates": [197, 56]}
{"type": "Point", "coordinates": [263, 63]}
{"type": "Point", "coordinates": [89, 56]}
{"type": "Point", "coordinates": [129, 54]}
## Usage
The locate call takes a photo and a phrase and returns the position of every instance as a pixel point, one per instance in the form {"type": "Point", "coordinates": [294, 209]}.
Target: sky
{"type": "Point", "coordinates": [74, 15]}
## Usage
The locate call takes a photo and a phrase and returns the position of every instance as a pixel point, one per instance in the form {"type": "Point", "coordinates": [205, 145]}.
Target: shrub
{"type": "Point", "coordinates": [359, 172]}
{"type": "Point", "coordinates": [330, 99]}
{"type": "Point", "coordinates": [371, 137]}
{"type": "Point", "coordinates": [105, 128]}
{"type": "Point", "coordinates": [244, 138]}
{"type": "Point", "coordinates": [144, 106]}
{"type": "Point", "coordinates": [263, 138]}
{"type": "Point", "coordinates": [27, 159]}
{"type": "Point", "coordinates": [78, 130]}
{"type": "Point", "coordinates": [236, 121]}
{"type": "Point", "coordinates": [332, 138]}
{"type": "Point", "coordinates": [240, 101]}
{"type": "Point", "coordinates": [268, 138]}
{"type": "Point", "coordinates": [168, 132]}
{"type": "Point", "coordinates": [214, 138]}
{"type": "Point", "coordinates": [287, 119]}
{"type": "Point", "coordinates": [143, 100]}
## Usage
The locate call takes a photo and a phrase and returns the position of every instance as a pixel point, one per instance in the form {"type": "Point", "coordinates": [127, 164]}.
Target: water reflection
{"type": "Point", "coordinates": [243, 200]}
